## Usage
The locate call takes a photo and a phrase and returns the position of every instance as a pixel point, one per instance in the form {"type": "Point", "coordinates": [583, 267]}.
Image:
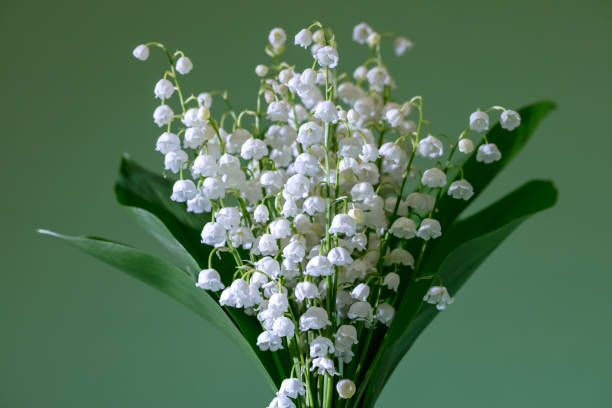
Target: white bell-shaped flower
{"type": "Point", "coordinates": [361, 292]}
{"type": "Point", "coordinates": [391, 281]}
{"type": "Point", "coordinates": [209, 279]}
{"type": "Point", "coordinates": [277, 37]}
{"type": "Point", "coordinates": [327, 56]}
{"type": "Point", "coordinates": [321, 347]}
{"type": "Point", "coordinates": [315, 318]}
{"type": "Point", "coordinates": [283, 327]}
{"type": "Point", "coordinates": [488, 153]}
{"type": "Point", "coordinates": [361, 311]}
{"type": "Point", "coordinates": [466, 146]}
{"type": "Point", "coordinates": [324, 365]}
{"type": "Point", "coordinates": [184, 65]}
{"type": "Point", "coordinates": [228, 217]}
{"type": "Point", "coordinates": [183, 190]}
{"type": "Point", "coordinates": [167, 142]}
{"type": "Point", "coordinates": [303, 38]}
{"type": "Point", "coordinates": [438, 295]}
{"type": "Point", "coordinates": [461, 189]}
{"type": "Point", "coordinates": [479, 121]}
{"type": "Point", "coordinates": [163, 89]}
{"type": "Point", "coordinates": [430, 147]}
{"type": "Point", "coordinates": [306, 290]}
{"type": "Point", "coordinates": [162, 115]}
{"type": "Point", "coordinates": [141, 52]}
{"type": "Point", "coordinates": [343, 224]}
{"type": "Point", "coordinates": [433, 178]}
{"type": "Point", "coordinates": [384, 313]}
{"type": "Point", "coordinates": [339, 256]}
{"type": "Point", "coordinates": [510, 120]}
{"type": "Point", "coordinates": [269, 341]}
{"type": "Point", "coordinates": [326, 111]}
{"type": "Point", "coordinates": [429, 228]}
{"type": "Point", "coordinates": [214, 234]}
{"type": "Point", "coordinates": [403, 228]}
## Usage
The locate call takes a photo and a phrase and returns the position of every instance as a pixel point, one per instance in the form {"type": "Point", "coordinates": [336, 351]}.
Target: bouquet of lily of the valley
{"type": "Point", "coordinates": [319, 229]}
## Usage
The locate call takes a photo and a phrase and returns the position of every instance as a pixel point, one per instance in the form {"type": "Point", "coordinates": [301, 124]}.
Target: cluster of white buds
{"type": "Point", "coordinates": [315, 199]}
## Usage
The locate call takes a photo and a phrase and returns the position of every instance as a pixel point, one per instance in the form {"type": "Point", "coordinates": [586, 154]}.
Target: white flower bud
{"type": "Point", "coordinates": [510, 120]}
{"type": "Point", "coordinates": [184, 65]}
{"type": "Point", "coordinates": [430, 147]}
{"type": "Point", "coordinates": [318, 37]}
{"type": "Point", "coordinates": [163, 89]}
{"type": "Point", "coordinates": [403, 228]}
{"type": "Point", "coordinates": [213, 234]}
{"type": "Point", "coordinates": [360, 73]}
{"type": "Point", "coordinates": [429, 228]}
{"type": "Point", "coordinates": [315, 318]}
{"type": "Point", "coordinates": [378, 77]}
{"type": "Point", "coordinates": [401, 45]}
{"type": "Point", "coordinates": [346, 388]}
{"type": "Point", "coordinates": [209, 279]}
{"type": "Point", "coordinates": [303, 38]}
{"type": "Point", "coordinates": [261, 70]}
{"type": "Point", "coordinates": [392, 281]}
{"type": "Point", "coordinates": [438, 295]}
{"type": "Point", "coordinates": [466, 146]}
{"type": "Point", "coordinates": [434, 177]}
{"type": "Point", "coordinates": [167, 142]}
{"type": "Point", "coordinates": [488, 153]}
{"type": "Point", "coordinates": [461, 189]}
{"type": "Point", "coordinates": [361, 32]}
{"type": "Point", "coordinates": [162, 115]}
{"type": "Point", "coordinates": [479, 121]}
{"type": "Point", "coordinates": [205, 99]}
{"type": "Point", "coordinates": [373, 39]}
{"type": "Point", "coordinates": [141, 52]}
{"type": "Point", "coordinates": [327, 56]}
{"type": "Point", "coordinates": [277, 37]}
{"type": "Point", "coordinates": [183, 190]}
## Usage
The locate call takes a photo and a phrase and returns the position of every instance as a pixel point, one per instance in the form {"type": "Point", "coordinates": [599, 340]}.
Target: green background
{"type": "Point", "coordinates": [531, 329]}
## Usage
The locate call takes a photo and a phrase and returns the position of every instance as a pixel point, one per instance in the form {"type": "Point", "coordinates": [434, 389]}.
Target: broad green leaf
{"type": "Point", "coordinates": [455, 257]}
{"type": "Point", "coordinates": [138, 187]}
{"type": "Point", "coordinates": [181, 257]}
{"type": "Point", "coordinates": [179, 231]}
{"type": "Point", "coordinates": [480, 174]}
{"type": "Point", "coordinates": [167, 278]}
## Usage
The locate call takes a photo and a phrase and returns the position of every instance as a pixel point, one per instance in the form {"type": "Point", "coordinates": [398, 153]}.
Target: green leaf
{"type": "Point", "coordinates": [510, 143]}
{"type": "Point", "coordinates": [181, 257]}
{"type": "Point", "coordinates": [138, 187]}
{"type": "Point", "coordinates": [455, 257]}
{"type": "Point", "coordinates": [179, 231]}
{"type": "Point", "coordinates": [167, 278]}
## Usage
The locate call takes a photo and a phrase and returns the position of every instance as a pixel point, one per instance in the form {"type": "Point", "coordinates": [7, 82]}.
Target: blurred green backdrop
{"type": "Point", "coordinates": [531, 329]}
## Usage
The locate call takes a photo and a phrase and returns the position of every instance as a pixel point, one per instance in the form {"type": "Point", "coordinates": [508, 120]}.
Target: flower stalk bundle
{"type": "Point", "coordinates": [319, 227]}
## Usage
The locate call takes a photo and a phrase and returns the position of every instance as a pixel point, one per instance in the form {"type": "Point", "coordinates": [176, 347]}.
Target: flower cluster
{"type": "Point", "coordinates": [315, 199]}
